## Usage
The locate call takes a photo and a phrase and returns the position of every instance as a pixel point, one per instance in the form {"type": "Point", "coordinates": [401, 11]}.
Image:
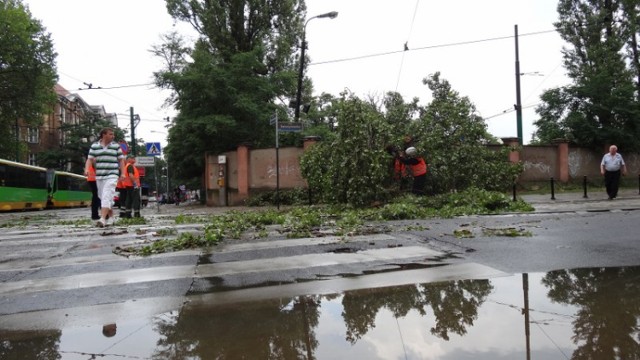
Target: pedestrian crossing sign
{"type": "Point", "coordinates": [153, 148]}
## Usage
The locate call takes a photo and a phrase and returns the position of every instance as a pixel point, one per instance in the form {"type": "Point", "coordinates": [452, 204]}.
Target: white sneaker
{"type": "Point", "coordinates": [101, 223]}
{"type": "Point", "coordinates": [109, 221]}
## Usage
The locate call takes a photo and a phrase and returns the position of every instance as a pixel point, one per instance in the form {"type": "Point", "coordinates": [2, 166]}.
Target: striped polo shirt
{"type": "Point", "coordinates": [107, 159]}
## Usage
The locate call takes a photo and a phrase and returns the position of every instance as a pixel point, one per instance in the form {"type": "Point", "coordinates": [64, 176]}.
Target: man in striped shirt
{"type": "Point", "coordinates": [108, 161]}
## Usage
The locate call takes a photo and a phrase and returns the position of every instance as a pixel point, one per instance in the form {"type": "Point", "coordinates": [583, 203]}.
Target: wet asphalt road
{"type": "Point", "coordinates": [53, 271]}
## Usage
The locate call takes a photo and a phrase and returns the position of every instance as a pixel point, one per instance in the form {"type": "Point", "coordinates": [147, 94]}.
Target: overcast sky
{"type": "Point", "coordinates": [107, 43]}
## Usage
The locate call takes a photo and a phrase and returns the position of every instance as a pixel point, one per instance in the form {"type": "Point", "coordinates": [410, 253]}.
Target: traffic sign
{"type": "Point", "coordinates": [153, 148]}
{"type": "Point", "coordinates": [124, 146]}
{"type": "Point", "coordinates": [290, 127]}
{"type": "Point", "coordinates": [145, 161]}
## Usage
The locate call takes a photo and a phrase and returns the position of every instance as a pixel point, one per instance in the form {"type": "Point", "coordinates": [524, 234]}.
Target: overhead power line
{"type": "Point", "coordinates": [428, 47]}
{"type": "Point", "coordinates": [91, 87]}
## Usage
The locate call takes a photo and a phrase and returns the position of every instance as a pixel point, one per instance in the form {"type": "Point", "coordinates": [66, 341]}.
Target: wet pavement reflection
{"type": "Point", "coordinates": [567, 314]}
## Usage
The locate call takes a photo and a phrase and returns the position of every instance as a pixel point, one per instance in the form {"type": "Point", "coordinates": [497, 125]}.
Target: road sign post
{"type": "Point", "coordinates": [145, 161]}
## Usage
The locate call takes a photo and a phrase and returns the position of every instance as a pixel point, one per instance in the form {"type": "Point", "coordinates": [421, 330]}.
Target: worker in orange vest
{"type": "Point", "coordinates": [95, 199]}
{"type": "Point", "coordinates": [122, 195]}
{"type": "Point", "coordinates": [131, 182]}
{"type": "Point", "coordinates": [418, 169]}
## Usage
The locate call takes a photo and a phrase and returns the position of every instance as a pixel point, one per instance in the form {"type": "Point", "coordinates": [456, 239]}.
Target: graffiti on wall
{"type": "Point", "coordinates": [286, 169]}
{"type": "Point", "coordinates": [577, 160]}
{"type": "Point", "coordinates": [537, 167]}
{"type": "Point", "coordinates": [633, 163]}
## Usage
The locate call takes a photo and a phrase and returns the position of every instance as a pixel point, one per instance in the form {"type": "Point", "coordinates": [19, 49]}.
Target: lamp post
{"type": "Point", "coordinates": [330, 15]}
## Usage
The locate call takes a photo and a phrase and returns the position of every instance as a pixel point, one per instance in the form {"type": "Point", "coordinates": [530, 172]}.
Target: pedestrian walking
{"type": "Point", "coordinates": [108, 160]}
{"type": "Point", "coordinates": [611, 167]}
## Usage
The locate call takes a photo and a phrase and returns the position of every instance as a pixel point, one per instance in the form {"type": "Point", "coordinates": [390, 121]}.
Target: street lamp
{"type": "Point", "coordinates": [330, 15]}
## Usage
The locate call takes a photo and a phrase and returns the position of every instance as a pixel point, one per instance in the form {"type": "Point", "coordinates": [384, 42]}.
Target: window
{"type": "Point", "coordinates": [63, 113]}
{"type": "Point", "coordinates": [33, 135]}
{"type": "Point", "coordinates": [32, 160]}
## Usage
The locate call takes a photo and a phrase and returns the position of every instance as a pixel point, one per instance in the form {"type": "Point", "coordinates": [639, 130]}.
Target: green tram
{"type": "Point", "coordinates": [24, 187]}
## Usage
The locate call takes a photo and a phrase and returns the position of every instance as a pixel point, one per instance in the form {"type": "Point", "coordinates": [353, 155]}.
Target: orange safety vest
{"type": "Point", "coordinates": [91, 174]}
{"type": "Point", "coordinates": [420, 168]}
{"type": "Point", "coordinates": [398, 169]}
{"type": "Point", "coordinates": [128, 181]}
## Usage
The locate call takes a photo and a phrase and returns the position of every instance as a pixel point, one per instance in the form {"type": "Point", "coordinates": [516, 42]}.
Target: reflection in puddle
{"type": "Point", "coordinates": [579, 314]}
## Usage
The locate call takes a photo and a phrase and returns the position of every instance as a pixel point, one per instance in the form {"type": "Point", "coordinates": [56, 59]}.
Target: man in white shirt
{"type": "Point", "coordinates": [107, 158]}
{"type": "Point", "coordinates": [611, 166]}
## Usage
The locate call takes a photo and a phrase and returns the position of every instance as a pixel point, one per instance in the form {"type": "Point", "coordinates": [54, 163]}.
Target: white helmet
{"type": "Point", "coordinates": [411, 151]}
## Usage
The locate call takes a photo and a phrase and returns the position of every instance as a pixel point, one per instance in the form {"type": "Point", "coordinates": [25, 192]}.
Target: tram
{"type": "Point", "coordinates": [24, 187]}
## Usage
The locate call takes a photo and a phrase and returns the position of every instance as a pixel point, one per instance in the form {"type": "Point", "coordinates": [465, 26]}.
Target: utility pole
{"type": "Point", "coordinates": [133, 132]}
{"type": "Point", "coordinates": [518, 101]}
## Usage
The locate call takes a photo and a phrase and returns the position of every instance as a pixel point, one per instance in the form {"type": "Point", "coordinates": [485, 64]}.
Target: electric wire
{"type": "Point", "coordinates": [520, 309]}
{"type": "Point", "coordinates": [406, 47]}
{"type": "Point", "coordinates": [549, 338]}
{"type": "Point", "coordinates": [401, 338]}
{"type": "Point", "coordinates": [117, 87]}
{"type": "Point", "coordinates": [429, 47]}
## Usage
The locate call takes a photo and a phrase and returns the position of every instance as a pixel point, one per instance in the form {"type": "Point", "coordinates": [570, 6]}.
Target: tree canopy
{"type": "Point", "coordinates": [601, 106]}
{"type": "Point", "coordinates": [226, 85]}
{"type": "Point", "coordinates": [27, 72]}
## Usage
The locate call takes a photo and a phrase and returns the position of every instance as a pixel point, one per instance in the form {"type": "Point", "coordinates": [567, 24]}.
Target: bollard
{"type": "Point", "coordinates": [514, 191]}
{"type": "Point", "coordinates": [584, 186]}
{"type": "Point", "coordinates": [553, 193]}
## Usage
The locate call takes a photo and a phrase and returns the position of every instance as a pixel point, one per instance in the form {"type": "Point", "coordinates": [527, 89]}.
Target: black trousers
{"type": "Point", "coordinates": [133, 201]}
{"type": "Point", "coordinates": [95, 200]}
{"type": "Point", "coordinates": [611, 182]}
{"type": "Point", "coordinates": [418, 184]}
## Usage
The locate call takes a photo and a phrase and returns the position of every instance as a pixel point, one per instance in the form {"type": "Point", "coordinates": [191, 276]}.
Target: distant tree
{"type": "Point", "coordinates": [78, 138]}
{"type": "Point", "coordinates": [601, 105]}
{"type": "Point", "coordinates": [27, 72]}
{"type": "Point", "coordinates": [225, 86]}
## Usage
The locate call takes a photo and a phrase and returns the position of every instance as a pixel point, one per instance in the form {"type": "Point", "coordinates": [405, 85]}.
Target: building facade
{"type": "Point", "coordinates": [69, 109]}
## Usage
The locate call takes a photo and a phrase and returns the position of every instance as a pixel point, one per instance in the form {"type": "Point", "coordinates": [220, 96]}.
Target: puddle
{"type": "Point", "coordinates": [581, 314]}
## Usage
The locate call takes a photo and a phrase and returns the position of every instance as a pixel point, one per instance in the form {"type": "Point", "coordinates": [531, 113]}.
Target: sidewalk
{"type": "Point", "coordinates": [628, 199]}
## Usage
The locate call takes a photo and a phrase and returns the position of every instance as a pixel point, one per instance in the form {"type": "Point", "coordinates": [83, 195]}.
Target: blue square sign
{"type": "Point", "coordinates": [153, 149]}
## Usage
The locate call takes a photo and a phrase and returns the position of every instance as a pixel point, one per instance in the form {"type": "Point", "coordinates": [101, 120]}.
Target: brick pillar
{"type": "Point", "coordinates": [563, 160]}
{"type": "Point", "coordinates": [243, 171]}
{"type": "Point", "coordinates": [514, 156]}
{"type": "Point", "coordinates": [310, 140]}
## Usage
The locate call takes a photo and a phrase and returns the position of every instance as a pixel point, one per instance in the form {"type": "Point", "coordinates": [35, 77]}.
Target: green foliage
{"type": "Point", "coordinates": [224, 84]}
{"type": "Point", "coordinates": [339, 220]}
{"type": "Point", "coordinates": [27, 72]}
{"type": "Point", "coordinates": [453, 139]}
{"type": "Point", "coordinates": [601, 105]}
{"type": "Point", "coordinates": [298, 196]}
{"type": "Point", "coordinates": [353, 168]}
{"type": "Point", "coordinates": [131, 221]}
